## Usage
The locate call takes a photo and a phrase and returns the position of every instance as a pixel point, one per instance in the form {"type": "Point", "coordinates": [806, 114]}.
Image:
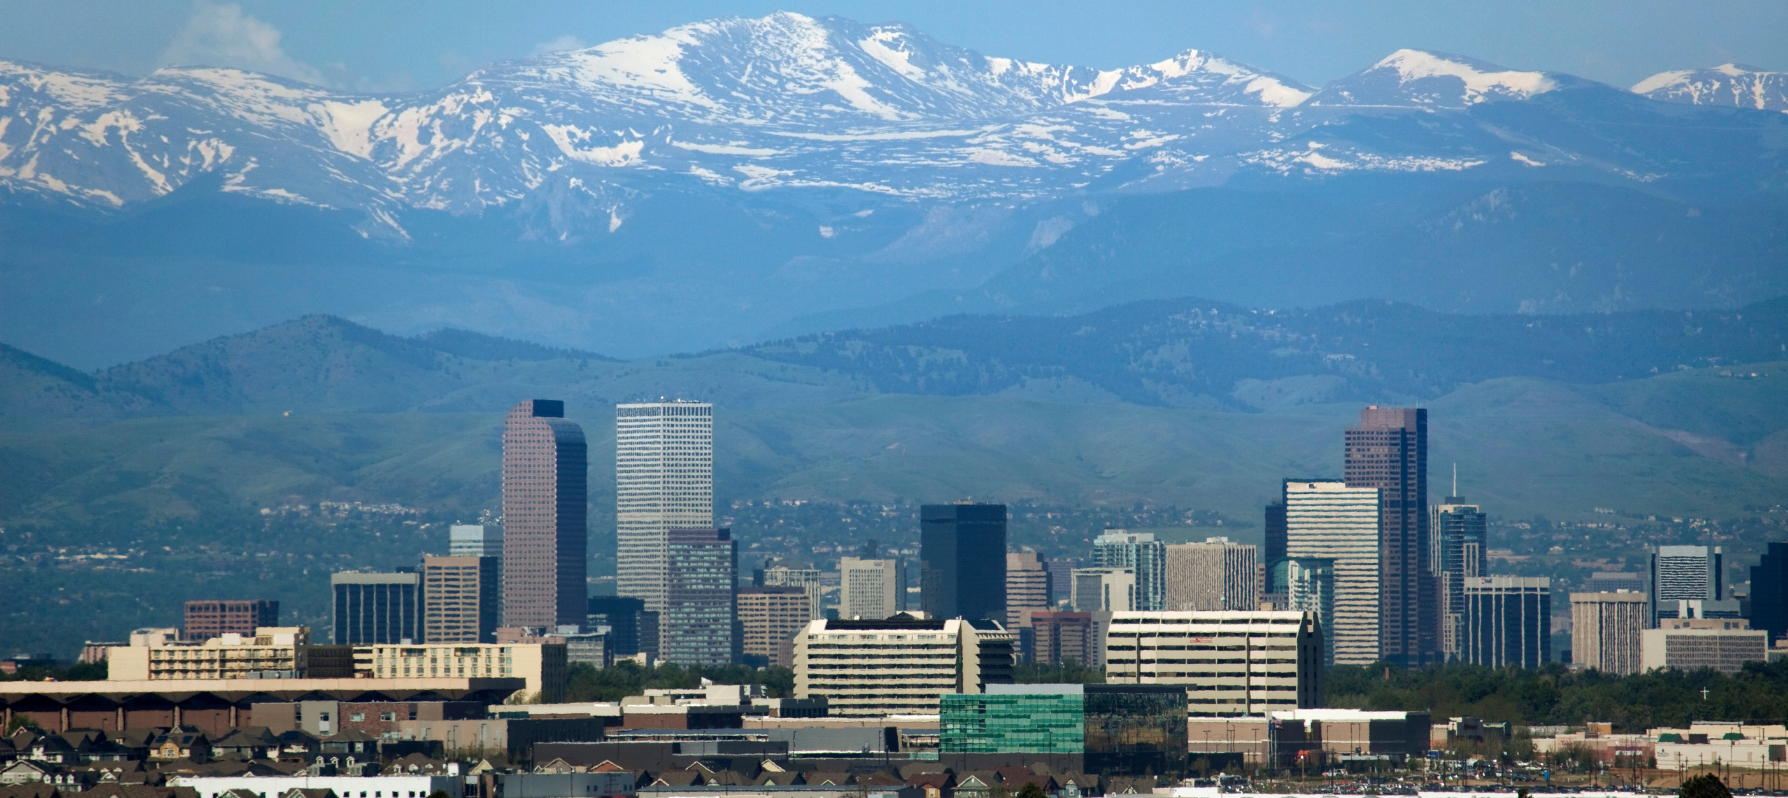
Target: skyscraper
{"type": "Point", "coordinates": [1309, 586]}
{"type": "Point", "coordinates": [1274, 549]}
{"type": "Point", "coordinates": [621, 614]}
{"type": "Point", "coordinates": [1508, 621]}
{"type": "Point", "coordinates": [1683, 573]}
{"type": "Point", "coordinates": [1142, 553]}
{"type": "Point", "coordinates": [870, 589]}
{"type": "Point", "coordinates": [474, 540]}
{"type": "Point", "coordinates": [1330, 520]}
{"type": "Point", "coordinates": [664, 480]}
{"type": "Point", "coordinates": [462, 599]}
{"type": "Point", "coordinates": [208, 619]}
{"type": "Point", "coordinates": [1389, 451]}
{"type": "Point", "coordinates": [699, 622]}
{"type": "Point", "coordinates": [371, 608]}
{"type": "Point", "coordinates": [1213, 575]}
{"type": "Point", "coordinates": [1458, 551]}
{"type": "Point", "coordinates": [545, 500]}
{"type": "Point", "coordinates": [1027, 585]}
{"type": "Point", "coordinates": [1769, 591]}
{"type": "Point", "coordinates": [1605, 631]}
{"type": "Point", "coordinates": [962, 561]}
{"type": "Point", "coordinates": [1105, 590]}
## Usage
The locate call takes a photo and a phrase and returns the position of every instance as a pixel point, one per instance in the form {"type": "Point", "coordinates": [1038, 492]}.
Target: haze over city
{"type": "Point", "coordinates": [470, 401]}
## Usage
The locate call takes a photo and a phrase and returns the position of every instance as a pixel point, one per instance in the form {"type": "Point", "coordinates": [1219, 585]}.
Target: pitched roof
{"type": "Point", "coordinates": [836, 778]}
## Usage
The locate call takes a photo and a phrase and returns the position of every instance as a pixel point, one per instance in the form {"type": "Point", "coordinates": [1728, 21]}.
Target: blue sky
{"type": "Point", "coordinates": [397, 45]}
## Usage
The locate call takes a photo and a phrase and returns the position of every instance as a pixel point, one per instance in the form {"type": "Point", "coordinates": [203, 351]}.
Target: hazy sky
{"type": "Point", "coordinates": [396, 45]}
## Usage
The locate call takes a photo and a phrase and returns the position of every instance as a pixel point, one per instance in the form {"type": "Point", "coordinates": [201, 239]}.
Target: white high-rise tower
{"type": "Point", "coordinates": [664, 479]}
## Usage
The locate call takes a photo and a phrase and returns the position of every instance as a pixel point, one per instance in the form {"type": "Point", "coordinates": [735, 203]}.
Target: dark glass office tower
{"type": "Point", "coordinates": [699, 624]}
{"type": "Point", "coordinates": [622, 615]}
{"type": "Point", "coordinates": [545, 532]}
{"type": "Point", "coordinates": [962, 561]}
{"type": "Point", "coordinates": [1769, 592]}
{"type": "Point", "coordinates": [376, 608]}
{"type": "Point", "coordinates": [1274, 550]}
{"type": "Point", "coordinates": [1389, 451]}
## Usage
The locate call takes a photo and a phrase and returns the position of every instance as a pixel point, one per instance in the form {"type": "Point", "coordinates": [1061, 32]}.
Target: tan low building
{"type": "Point", "coordinates": [1687, 644]}
{"type": "Point", "coordinates": [900, 665]}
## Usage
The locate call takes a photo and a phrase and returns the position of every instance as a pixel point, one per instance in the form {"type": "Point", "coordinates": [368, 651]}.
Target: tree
{"type": "Point", "coordinates": [1706, 785]}
{"type": "Point", "coordinates": [1031, 790]}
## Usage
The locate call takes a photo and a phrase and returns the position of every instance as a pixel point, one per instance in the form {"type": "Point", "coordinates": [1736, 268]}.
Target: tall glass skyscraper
{"type": "Point", "coordinates": [1684, 573]}
{"type": "Point", "coordinates": [664, 480]}
{"type": "Point", "coordinates": [1142, 553]}
{"type": "Point", "coordinates": [1458, 551]}
{"type": "Point", "coordinates": [1389, 451]}
{"type": "Point", "coordinates": [962, 561]}
{"type": "Point", "coordinates": [1769, 591]}
{"type": "Point", "coordinates": [546, 533]}
{"type": "Point", "coordinates": [1331, 520]}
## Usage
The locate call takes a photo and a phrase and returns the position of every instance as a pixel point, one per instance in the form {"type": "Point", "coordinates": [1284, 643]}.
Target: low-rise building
{"type": "Point", "coordinates": [541, 665]}
{"type": "Point", "coordinates": [379, 786]}
{"type": "Point", "coordinates": [1722, 644]}
{"type": "Point", "coordinates": [1732, 744]}
{"type": "Point", "coordinates": [1124, 730]}
{"type": "Point", "coordinates": [1230, 663]}
{"type": "Point", "coordinates": [900, 665]}
{"type": "Point", "coordinates": [273, 652]}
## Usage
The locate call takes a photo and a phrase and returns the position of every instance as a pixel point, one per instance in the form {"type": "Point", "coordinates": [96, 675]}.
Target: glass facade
{"type": "Point", "coordinates": [1121, 729]}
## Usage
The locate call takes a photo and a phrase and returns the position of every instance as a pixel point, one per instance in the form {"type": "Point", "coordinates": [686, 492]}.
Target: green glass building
{"type": "Point", "coordinates": [1119, 729]}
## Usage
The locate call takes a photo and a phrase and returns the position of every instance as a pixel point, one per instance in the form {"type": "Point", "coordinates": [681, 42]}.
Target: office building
{"type": "Point", "coordinates": [808, 579]}
{"type": "Point", "coordinates": [769, 619]}
{"type": "Point", "coordinates": [376, 607]}
{"type": "Point", "coordinates": [1056, 637]}
{"type": "Point", "coordinates": [871, 589]}
{"type": "Point", "coordinates": [1142, 553]}
{"type": "Point", "coordinates": [208, 619]}
{"type": "Point", "coordinates": [1769, 592]}
{"type": "Point", "coordinates": [1213, 575]}
{"type": "Point", "coordinates": [1061, 580]}
{"type": "Point", "coordinates": [1231, 664]}
{"type": "Point", "coordinates": [1117, 730]}
{"type": "Point", "coordinates": [621, 614]}
{"type": "Point", "coordinates": [1027, 585]}
{"type": "Point", "coordinates": [1683, 573]}
{"type": "Point", "coordinates": [1689, 644]}
{"type": "Point", "coordinates": [664, 480]}
{"type": "Point", "coordinates": [546, 532]}
{"type": "Point", "coordinates": [1104, 590]}
{"type": "Point", "coordinates": [1605, 631]}
{"type": "Point", "coordinates": [1309, 586]}
{"type": "Point", "coordinates": [697, 625]}
{"type": "Point", "coordinates": [462, 599]}
{"type": "Point", "coordinates": [1458, 550]}
{"type": "Point", "coordinates": [475, 540]}
{"type": "Point", "coordinates": [900, 665]}
{"type": "Point", "coordinates": [1274, 548]}
{"type": "Point", "coordinates": [1616, 582]}
{"type": "Point", "coordinates": [1508, 621]}
{"type": "Point", "coordinates": [1389, 451]}
{"type": "Point", "coordinates": [1331, 520]}
{"type": "Point", "coordinates": [541, 666]}
{"type": "Point", "coordinates": [274, 652]}
{"type": "Point", "coordinates": [962, 561]}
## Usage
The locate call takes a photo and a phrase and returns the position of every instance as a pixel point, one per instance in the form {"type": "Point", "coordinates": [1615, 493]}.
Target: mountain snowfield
{"type": "Point", "coordinates": [785, 101]}
{"type": "Point", "coordinates": [1726, 84]}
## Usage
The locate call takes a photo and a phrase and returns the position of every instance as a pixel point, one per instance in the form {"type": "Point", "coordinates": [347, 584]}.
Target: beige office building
{"type": "Point", "coordinates": [1210, 576]}
{"type": "Point", "coordinates": [1027, 585]}
{"type": "Point", "coordinates": [1232, 663]}
{"type": "Point", "coordinates": [871, 589]}
{"type": "Point", "coordinates": [899, 665]}
{"type": "Point", "coordinates": [1605, 631]}
{"type": "Point", "coordinates": [282, 652]}
{"type": "Point", "coordinates": [808, 579]}
{"type": "Point", "coordinates": [542, 666]}
{"type": "Point", "coordinates": [1326, 519]}
{"type": "Point", "coordinates": [1687, 644]}
{"type": "Point", "coordinates": [769, 619]}
{"type": "Point", "coordinates": [462, 599]}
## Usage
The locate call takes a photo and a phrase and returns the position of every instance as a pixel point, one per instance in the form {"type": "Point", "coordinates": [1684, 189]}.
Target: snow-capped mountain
{"type": "Point", "coordinates": [881, 112]}
{"type": "Point", "coordinates": [1726, 84]}
{"type": "Point", "coordinates": [1421, 79]}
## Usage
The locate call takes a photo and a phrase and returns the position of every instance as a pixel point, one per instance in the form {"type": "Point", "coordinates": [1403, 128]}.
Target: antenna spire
{"type": "Point", "coordinates": [1455, 479]}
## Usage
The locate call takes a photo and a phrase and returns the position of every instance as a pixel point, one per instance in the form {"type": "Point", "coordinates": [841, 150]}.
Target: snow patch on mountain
{"type": "Point", "coordinates": [1421, 79]}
